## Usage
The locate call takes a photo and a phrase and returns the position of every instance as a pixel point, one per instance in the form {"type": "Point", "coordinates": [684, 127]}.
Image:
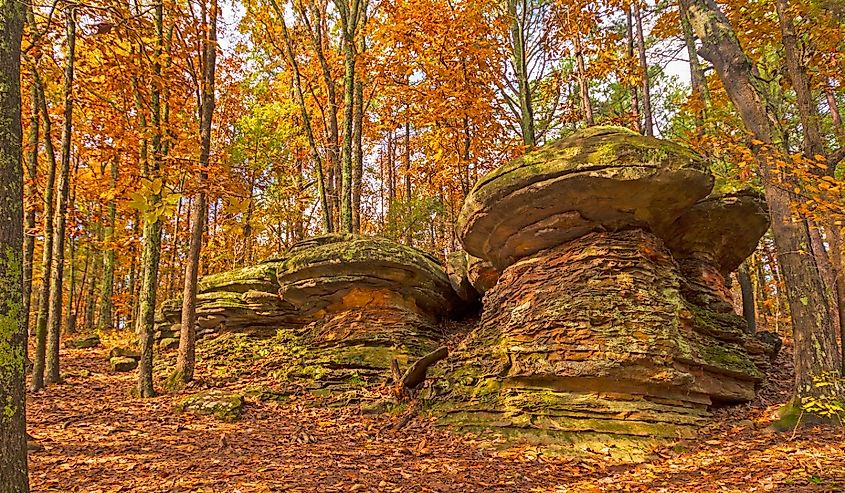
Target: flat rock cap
{"type": "Point", "coordinates": [323, 271]}
{"type": "Point", "coordinates": [600, 178]}
{"type": "Point", "coordinates": [725, 227]}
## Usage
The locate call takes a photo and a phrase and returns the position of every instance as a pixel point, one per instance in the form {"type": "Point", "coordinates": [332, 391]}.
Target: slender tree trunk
{"type": "Point", "coordinates": [697, 79]}
{"type": "Point", "coordinates": [318, 37]}
{"type": "Point", "coordinates": [835, 116]}
{"type": "Point", "coordinates": [839, 264]}
{"type": "Point", "coordinates": [151, 255]}
{"type": "Point", "coordinates": [31, 197]}
{"type": "Point", "coordinates": [583, 86]}
{"type": "Point", "coordinates": [70, 314]}
{"type": "Point", "coordinates": [187, 341]}
{"type": "Point", "coordinates": [635, 101]}
{"type": "Point", "coordinates": [349, 12]}
{"type": "Point", "coordinates": [96, 266]}
{"type": "Point", "coordinates": [106, 319]}
{"type": "Point", "coordinates": [807, 109]}
{"type": "Point", "coordinates": [357, 152]}
{"type": "Point", "coordinates": [39, 361]}
{"type": "Point", "coordinates": [54, 325]}
{"type": "Point", "coordinates": [520, 65]}
{"type": "Point", "coordinates": [747, 289]}
{"type": "Point", "coordinates": [13, 465]}
{"type": "Point", "coordinates": [816, 355]}
{"type": "Point", "coordinates": [648, 116]}
{"type": "Point", "coordinates": [328, 223]}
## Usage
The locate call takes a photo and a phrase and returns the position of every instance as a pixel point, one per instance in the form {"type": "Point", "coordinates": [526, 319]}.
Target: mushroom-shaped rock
{"type": "Point", "coordinates": [711, 239]}
{"type": "Point", "coordinates": [599, 179]}
{"type": "Point", "coordinates": [725, 228]}
{"type": "Point", "coordinates": [353, 302]}
{"type": "Point", "coordinates": [588, 340]}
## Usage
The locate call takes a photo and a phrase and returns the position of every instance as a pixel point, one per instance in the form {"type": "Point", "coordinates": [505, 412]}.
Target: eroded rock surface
{"type": "Point", "coordinates": [610, 327]}
{"type": "Point", "coordinates": [603, 178]}
{"type": "Point", "coordinates": [353, 302]}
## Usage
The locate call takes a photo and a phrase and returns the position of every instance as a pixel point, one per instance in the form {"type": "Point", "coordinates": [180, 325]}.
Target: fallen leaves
{"type": "Point", "coordinates": [96, 438]}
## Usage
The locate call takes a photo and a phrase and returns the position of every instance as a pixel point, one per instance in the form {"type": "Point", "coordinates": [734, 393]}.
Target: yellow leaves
{"type": "Point", "coordinates": [153, 200]}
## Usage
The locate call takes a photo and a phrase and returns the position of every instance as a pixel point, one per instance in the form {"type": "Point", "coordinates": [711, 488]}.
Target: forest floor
{"type": "Point", "coordinates": [94, 437]}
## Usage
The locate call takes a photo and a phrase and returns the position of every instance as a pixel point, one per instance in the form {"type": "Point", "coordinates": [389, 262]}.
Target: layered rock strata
{"type": "Point", "coordinates": [354, 302]}
{"type": "Point", "coordinates": [605, 331]}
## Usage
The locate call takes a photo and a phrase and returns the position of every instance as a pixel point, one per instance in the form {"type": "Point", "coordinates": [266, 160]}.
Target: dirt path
{"type": "Point", "coordinates": [97, 438]}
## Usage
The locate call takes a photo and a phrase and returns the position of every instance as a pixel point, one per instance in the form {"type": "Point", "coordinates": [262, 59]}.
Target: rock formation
{"type": "Point", "coordinates": [608, 329]}
{"type": "Point", "coordinates": [354, 302]}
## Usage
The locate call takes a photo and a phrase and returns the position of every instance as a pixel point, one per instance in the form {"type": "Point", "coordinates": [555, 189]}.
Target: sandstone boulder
{"type": "Point", "coordinates": [599, 179]}
{"type": "Point", "coordinates": [123, 364]}
{"type": "Point", "coordinates": [481, 274]}
{"type": "Point", "coordinates": [352, 302]}
{"type": "Point", "coordinates": [596, 338]}
{"type": "Point", "coordinates": [456, 269]}
{"type": "Point", "coordinates": [222, 405]}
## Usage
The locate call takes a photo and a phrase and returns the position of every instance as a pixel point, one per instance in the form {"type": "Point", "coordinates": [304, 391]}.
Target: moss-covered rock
{"type": "Point", "coordinates": [598, 179]}
{"type": "Point", "coordinates": [222, 405]}
{"type": "Point", "coordinates": [122, 364]}
{"type": "Point", "coordinates": [724, 228]}
{"type": "Point", "coordinates": [596, 338]}
{"type": "Point", "coordinates": [86, 342]}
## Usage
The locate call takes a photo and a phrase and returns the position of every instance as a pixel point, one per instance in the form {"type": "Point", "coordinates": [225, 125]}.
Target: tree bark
{"type": "Point", "coordinates": [349, 13]}
{"type": "Point", "coordinates": [816, 355]}
{"type": "Point", "coordinates": [835, 116]}
{"type": "Point", "coordinates": [586, 106]}
{"type": "Point", "coordinates": [748, 304]}
{"type": "Point", "coordinates": [106, 319]}
{"type": "Point", "coordinates": [519, 58]}
{"type": "Point", "coordinates": [648, 116]}
{"type": "Point", "coordinates": [54, 323]}
{"type": "Point", "coordinates": [185, 361]}
{"type": "Point", "coordinates": [39, 360]}
{"type": "Point", "coordinates": [151, 255]}
{"type": "Point", "coordinates": [635, 102]}
{"type": "Point", "coordinates": [31, 195]}
{"type": "Point", "coordinates": [328, 223]}
{"type": "Point", "coordinates": [13, 462]}
{"type": "Point", "coordinates": [807, 109]}
{"type": "Point", "coordinates": [697, 79]}
{"type": "Point", "coordinates": [357, 135]}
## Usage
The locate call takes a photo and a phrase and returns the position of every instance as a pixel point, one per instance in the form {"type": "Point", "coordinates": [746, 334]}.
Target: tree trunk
{"type": "Point", "coordinates": [648, 116]}
{"type": "Point", "coordinates": [635, 102]}
{"type": "Point", "coordinates": [697, 79]}
{"type": "Point", "coordinates": [96, 266]}
{"type": "Point", "coordinates": [328, 223]}
{"type": "Point", "coordinates": [835, 116]}
{"type": "Point", "coordinates": [357, 150]}
{"type": "Point", "coordinates": [31, 197]}
{"type": "Point", "coordinates": [187, 340]}
{"type": "Point", "coordinates": [54, 323]}
{"type": "Point", "coordinates": [839, 284]}
{"type": "Point", "coordinates": [815, 353]}
{"type": "Point", "coordinates": [519, 59]}
{"type": "Point", "coordinates": [807, 109]}
{"type": "Point", "coordinates": [70, 314]}
{"type": "Point", "coordinates": [13, 465]}
{"type": "Point", "coordinates": [151, 256]}
{"type": "Point", "coordinates": [747, 289]}
{"type": "Point", "coordinates": [349, 23]}
{"type": "Point", "coordinates": [586, 106]}
{"type": "Point", "coordinates": [39, 360]}
{"type": "Point", "coordinates": [106, 319]}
